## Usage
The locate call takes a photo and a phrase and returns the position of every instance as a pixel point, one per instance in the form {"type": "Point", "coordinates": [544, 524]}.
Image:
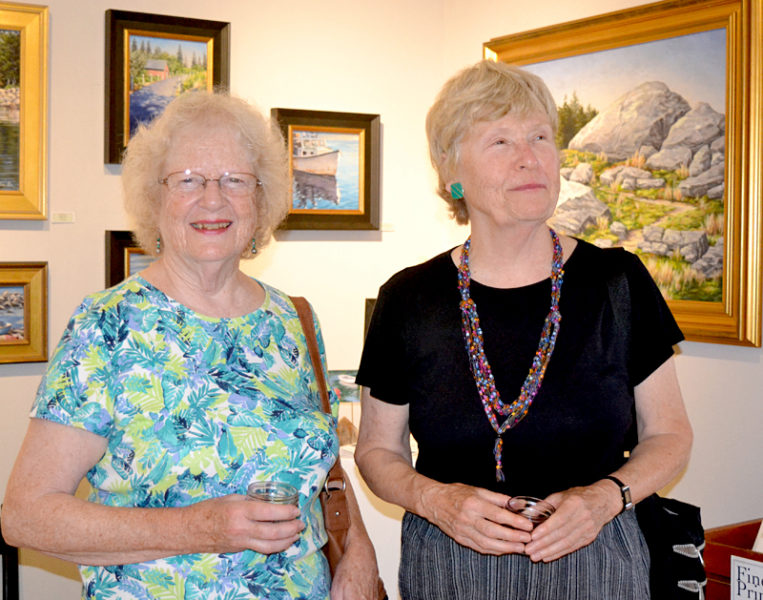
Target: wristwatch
{"type": "Point", "coordinates": [625, 492]}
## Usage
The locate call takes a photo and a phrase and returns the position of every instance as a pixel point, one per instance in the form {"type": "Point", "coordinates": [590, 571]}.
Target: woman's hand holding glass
{"type": "Point", "coordinates": [235, 523]}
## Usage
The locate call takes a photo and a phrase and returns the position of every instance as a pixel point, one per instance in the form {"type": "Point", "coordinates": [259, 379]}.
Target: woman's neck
{"type": "Point", "coordinates": [209, 289]}
{"type": "Point", "coordinates": [512, 258]}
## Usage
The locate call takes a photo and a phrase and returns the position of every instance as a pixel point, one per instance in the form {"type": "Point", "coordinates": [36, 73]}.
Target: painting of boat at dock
{"type": "Point", "coordinates": [334, 165]}
{"type": "Point", "coordinates": [325, 170]}
{"type": "Point", "coordinates": [11, 313]}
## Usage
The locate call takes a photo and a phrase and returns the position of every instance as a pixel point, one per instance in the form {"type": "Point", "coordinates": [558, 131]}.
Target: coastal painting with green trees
{"type": "Point", "coordinates": [160, 69]}
{"type": "Point", "coordinates": [643, 144]}
{"type": "Point", "coordinates": [10, 75]}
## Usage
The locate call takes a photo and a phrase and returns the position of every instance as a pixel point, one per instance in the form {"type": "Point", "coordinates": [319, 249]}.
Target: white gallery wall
{"type": "Point", "coordinates": [359, 56]}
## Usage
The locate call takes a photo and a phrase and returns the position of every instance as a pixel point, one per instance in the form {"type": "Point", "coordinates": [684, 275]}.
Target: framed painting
{"type": "Point", "coordinates": [23, 111]}
{"type": "Point", "coordinates": [23, 312]}
{"type": "Point", "coordinates": [150, 59]}
{"type": "Point", "coordinates": [334, 164]}
{"type": "Point", "coordinates": [123, 257]}
{"type": "Point", "coordinates": [661, 141]}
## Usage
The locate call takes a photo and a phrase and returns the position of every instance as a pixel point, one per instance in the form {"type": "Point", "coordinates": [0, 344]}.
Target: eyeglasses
{"type": "Point", "coordinates": [187, 183]}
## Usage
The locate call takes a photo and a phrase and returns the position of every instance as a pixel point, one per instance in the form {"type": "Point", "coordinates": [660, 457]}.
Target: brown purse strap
{"type": "Point", "coordinates": [337, 518]}
{"type": "Point", "coordinates": [306, 318]}
{"type": "Point", "coordinates": [335, 479]}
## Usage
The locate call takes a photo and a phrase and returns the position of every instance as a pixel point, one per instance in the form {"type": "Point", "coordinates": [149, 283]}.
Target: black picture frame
{"type": "Point", "coordinates": [121, 250]}
{"type": "Point", "coordinates": [120, 24]}
{"type": "Point", "coordinates": [365, 212]}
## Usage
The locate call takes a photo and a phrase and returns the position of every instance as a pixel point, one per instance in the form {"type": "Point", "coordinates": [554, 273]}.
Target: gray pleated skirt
{"type": "Point", "coordinates": [615, 566]}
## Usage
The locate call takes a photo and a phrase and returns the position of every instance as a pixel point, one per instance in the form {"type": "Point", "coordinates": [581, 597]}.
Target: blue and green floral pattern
{"type": "Point", "coordinates": [195, 407]}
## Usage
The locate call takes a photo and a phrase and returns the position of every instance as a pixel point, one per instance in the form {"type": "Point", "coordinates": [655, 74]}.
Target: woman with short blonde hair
{"type": "Point", "coordinates": [524, 363]}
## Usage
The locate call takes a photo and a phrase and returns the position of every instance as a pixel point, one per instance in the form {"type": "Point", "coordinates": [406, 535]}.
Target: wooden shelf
{"type": "Point", "coordinates": [720, 544]}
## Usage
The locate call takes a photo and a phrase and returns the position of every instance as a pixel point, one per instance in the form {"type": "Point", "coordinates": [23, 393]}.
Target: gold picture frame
{"type": "Point", "coordinates": [736, 318]}
{"type": "Point", "coordinates": [29, 201]}
{"type": "Point", "coordinates": [23, 312]}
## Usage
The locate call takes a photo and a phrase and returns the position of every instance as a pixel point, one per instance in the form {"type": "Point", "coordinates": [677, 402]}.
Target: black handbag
{"type": "Point", "coordinates": [676, 539]}
{"type": "Point", "coordinates": [672, 529]}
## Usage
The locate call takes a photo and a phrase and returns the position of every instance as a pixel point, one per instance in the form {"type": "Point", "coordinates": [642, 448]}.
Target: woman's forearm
{"type": "Point", "coordinates": [391, 477]}
{"type": "Point", "coordinates": [654, 463]}
{"type": "Point", "coordinates": [86, 533]}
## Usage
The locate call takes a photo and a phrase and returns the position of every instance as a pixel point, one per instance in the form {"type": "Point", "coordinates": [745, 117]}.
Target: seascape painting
{"type": "Point", "coordinates": [161, 68]}
{"type": "Point", "coordinates": [326, 171]}
{"type": "Point", "coordinates": [10, 76]}
{"type": "Point", "coordinates": [12, 326]}
{"type": "Point", "coordinates": [643, 149]}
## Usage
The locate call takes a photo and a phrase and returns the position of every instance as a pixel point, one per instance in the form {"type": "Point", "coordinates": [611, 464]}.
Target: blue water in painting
{"type": "Point", "coordinates": [347, 175]}
{"type": "Point", "coordinates": [9, 155]}
{"type": "Point", "coordinates": [15, 318]}
{"type": "Point", "coordinates": [12, 314]}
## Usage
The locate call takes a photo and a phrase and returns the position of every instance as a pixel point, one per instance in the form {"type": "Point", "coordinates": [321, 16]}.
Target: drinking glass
{"type": "Point", "coordinates": [534, 509]}
{"type": "Point", "coordinates": [275, 492]}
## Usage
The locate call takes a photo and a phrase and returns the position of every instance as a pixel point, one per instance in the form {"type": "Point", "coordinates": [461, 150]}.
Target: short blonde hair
{"type": "Point", "coordinates": [486, 91]}
{"type": "Point", "coordinates": [144, 160]}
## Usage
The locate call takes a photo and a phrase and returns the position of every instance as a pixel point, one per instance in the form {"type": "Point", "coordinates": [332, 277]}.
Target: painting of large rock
{"type": "Point", "coordinates": [644, 169]}
{"type": "Point", "coordinates": [642, 117]}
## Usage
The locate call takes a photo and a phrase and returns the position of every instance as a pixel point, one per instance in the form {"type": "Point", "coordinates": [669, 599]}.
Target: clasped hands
{"type": "Point", "coordinates": [477, 518]}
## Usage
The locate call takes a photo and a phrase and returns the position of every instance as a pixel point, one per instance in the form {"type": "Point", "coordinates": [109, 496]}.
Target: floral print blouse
{"type": "Point", "coordinates": [195, 407]}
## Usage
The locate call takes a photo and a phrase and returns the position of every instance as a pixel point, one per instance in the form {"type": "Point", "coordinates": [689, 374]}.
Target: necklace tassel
{"type": "Point", "coordinates": [498, 453]}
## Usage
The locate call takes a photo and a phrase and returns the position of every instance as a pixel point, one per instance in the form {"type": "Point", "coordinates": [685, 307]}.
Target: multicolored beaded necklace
{"type": "Point", "coordinates": [475, 347]}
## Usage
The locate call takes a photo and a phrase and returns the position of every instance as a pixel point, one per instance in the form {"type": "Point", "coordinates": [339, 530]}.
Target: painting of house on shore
{"type": "Point", "coordinates": [643, 145]}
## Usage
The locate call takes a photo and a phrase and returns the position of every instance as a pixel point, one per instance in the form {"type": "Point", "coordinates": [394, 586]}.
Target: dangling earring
{"type": "Point", "coordinates": [254, 246]}
{"type": "Point", "coordinates": [158, 245]}
{"type": "Point", "coordinates": [456, 191]}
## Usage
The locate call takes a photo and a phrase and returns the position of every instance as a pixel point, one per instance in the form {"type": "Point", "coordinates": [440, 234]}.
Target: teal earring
{"type": "Point", "coordinates": [158, 245]}
{"type": "Point", "coordinates": [456, 191]}
{"type": "Point", "coordinates": [254, 246]}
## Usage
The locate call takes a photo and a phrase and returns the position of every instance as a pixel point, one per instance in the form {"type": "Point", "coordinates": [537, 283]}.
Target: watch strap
{"type": "Point", "coordinates": [625, 493]}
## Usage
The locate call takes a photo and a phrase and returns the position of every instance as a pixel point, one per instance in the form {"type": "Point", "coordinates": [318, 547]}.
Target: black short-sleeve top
{"type": "Point", "coordinates": [581, 421]}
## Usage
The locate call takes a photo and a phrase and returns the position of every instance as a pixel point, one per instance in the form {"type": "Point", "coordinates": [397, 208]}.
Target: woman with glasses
{"type": "Point", "coordinates": [174, 390]}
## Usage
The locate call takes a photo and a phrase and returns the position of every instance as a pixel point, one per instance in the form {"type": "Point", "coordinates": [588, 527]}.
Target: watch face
{"type": "Point", "coordinates": [627, 501]}
{"type": "Point", "coordinates": [625, 492]}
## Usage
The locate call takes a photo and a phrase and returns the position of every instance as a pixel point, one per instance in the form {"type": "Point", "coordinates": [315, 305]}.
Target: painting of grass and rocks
{"type": "Point", "coordinates": [643, 156]}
